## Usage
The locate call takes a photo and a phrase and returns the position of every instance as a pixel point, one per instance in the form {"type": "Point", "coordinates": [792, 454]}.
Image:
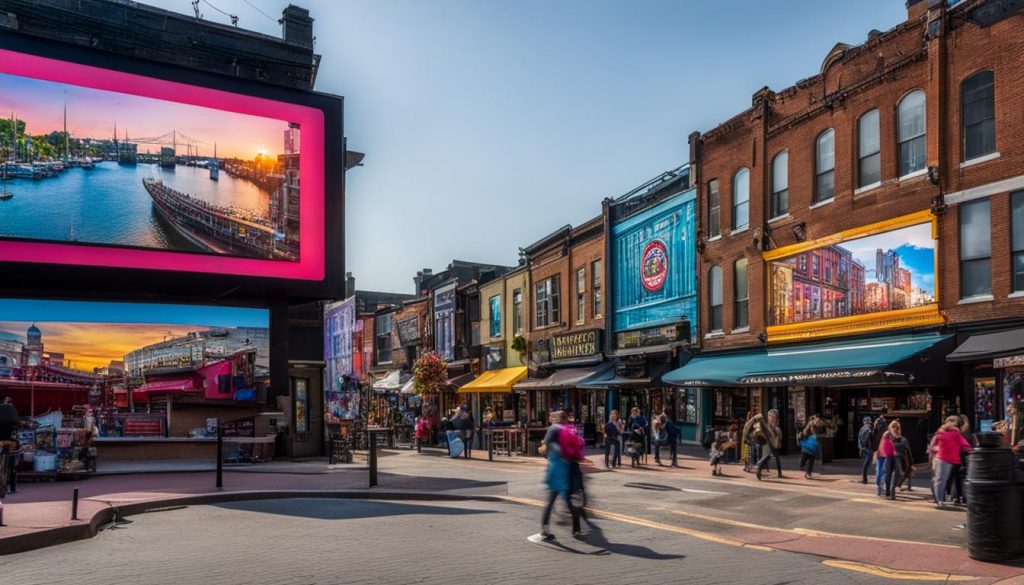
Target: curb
{"type": "Point", "coordinates": [63, 534]}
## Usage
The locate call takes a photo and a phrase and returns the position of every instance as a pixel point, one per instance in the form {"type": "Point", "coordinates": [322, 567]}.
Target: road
{"type": "Point", "coordinates": [304, 541]}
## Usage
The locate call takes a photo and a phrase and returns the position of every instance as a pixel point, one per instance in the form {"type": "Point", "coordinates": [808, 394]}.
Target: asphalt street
{"type": "Point", "coordinates": [302, 541]}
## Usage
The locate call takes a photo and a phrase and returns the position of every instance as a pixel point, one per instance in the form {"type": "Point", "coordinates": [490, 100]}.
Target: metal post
{"type": "Point", "coordinates": [74, 505]}
{"type": "Point", "coordinates": [1, 513]}
{"type": "Point", "coordinates": [330, 443]}
{"type": "Point", "coordinates": [220, 456]}
{"type": "Point", "coordinates": [373, 458]}
{"type": "Point", "coordinates": [490, 444]}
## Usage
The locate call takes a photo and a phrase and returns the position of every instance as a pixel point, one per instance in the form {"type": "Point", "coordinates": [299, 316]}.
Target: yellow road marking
{"type": "Point", "coordinates": [894, 574]}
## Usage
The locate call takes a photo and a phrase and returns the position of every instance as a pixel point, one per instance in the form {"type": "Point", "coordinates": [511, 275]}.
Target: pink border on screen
{"type": "Point", "coordinates": [311, 208]}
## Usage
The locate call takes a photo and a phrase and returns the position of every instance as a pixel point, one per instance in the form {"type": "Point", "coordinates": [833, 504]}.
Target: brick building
{"type": "Point", "coordinates": [831, 218]}
{"type": "Point", "coordinates": [566, 324]}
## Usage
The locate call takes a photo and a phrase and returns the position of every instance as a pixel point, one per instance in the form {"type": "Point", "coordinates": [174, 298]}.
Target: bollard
{"type": "Point", "coordinates": [330, 458]}
{"type": "Point", "coordinates": [1, 513]}
{"type": "Point", "coordinates": [372, 456]}
{"type": "Point", "coordinates": [74, 505]}
{"type": "Point", "coordinates": [489, 436]}
{"type": "Point", "coordinates": [220, 457]}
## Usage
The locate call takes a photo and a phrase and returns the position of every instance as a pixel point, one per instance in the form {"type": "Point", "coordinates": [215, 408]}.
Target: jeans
{"type": "Point", "coordinates": [808, 460]}
{"type": "Point", "coordinates": [763, 463]}
{"type": "Point", "coordinates": [880, 474]}
{"type": "Point", "coordinates": [955, 483]}
{"type": "Point", "coordinates": [941, 472]}
{"type": "Point", "coordinates": [753, 454]}
{"type": "Point", "coordinates": [552, 496]}
{"type": "Point", "coordinates": [673, 447]}
{"type": "Point", "coordinates": [866, 456]}
{"type": "Point", "coordinates": [893, 476]}
{"type": "Point", "coordinates": [612, 447]}
{"type": "Point", "coordinates": [467, 441]}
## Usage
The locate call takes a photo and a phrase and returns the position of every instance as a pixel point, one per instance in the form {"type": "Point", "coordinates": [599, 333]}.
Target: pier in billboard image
{"type": "Point", "coordinates": [90, 166]}
{"type": "Point", "coordinates": [875, 274]}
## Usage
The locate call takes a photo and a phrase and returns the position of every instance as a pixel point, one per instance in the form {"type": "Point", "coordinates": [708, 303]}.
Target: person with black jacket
{"type": "Point", "coordinates": [612, 441]}
{"type": "Point", "coordinates": [864, 446]}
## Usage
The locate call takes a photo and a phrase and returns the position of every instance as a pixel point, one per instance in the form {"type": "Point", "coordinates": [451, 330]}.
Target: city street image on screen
{"type": "Point", "coordinates": [116, 169]}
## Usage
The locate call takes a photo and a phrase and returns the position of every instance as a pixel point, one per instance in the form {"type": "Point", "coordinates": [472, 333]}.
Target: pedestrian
{"type": "Point", "coordinates": [8, 420]}
{"type": "Point", "coordinates": [673, 439]}
{"type": "Point", "coordinates": [808, 452]}
{"type": "Point", "coordinates": [468, 431]}
{"type": "Point", "coordinates": [745, 445]}
{"type": "Point", "coordinates": [955, 486]}
{"type": "Point", "coordinates": [751, 429]}
{"type": "Point", "coordinates": [902, 463]}
{"type": "Point", "coordinates": [948, 445]}
{"type": "Point", "coordinates": [878, 430]}
{"type": "Point", "coordinates": [772, 440]}
{"type": "Point", "coordinates": [864, 445]}
{"type": "Point", "coordinates": [893, 463]}
{"type": "Point", "coordinates": [557, 479]}
{"type": "Point", "coordinates": [612, 444]}
{"type": "Point", "coordinates": [716, 456]}
{"type": "Point", "coordinates": [659, 434]}
{"type": "Point", "coordinates": [637, 436]}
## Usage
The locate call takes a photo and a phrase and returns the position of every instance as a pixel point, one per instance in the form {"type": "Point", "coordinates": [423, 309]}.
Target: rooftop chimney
{"type": "Point", "coordinates": [297, 26]}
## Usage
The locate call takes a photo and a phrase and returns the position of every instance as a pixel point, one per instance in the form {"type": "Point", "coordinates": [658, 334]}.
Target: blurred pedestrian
{"type": "Point", "coordinates": [948, 446]}
{"type": "Point", "coordinates": [893, 458]}
{"type": "Point", "coordinates": [772, 437]}
{"type": "Point", "coordinates": [878, 431]}
{"type": "Point", "coordinates": [637, 445]}
{"type": "Point", "coordinates": [558, 476]}
{"type": "Point", "coordinates": [659, 434]}
{"type": "Point", "coordinates": [716, 456]}
{"type": "Point", "coordinates": [955, 486]}
{"type": "Point", "coordinates": [808, 452]}
{"type": "Point", "coordinates": [864, 446]}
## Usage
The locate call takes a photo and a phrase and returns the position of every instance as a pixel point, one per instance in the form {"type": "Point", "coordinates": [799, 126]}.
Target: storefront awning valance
{"type": "Point", "coordinates": [166, 385]}
{"type": "Point", "coordinates": [460, 381]}
{"type": "Point", "coordinates": [565, 378]}
{"type": "Point", "coordinates": [989, 345]}
{"type": "Point", "coordinates": [611, 379]}
{"type": "Point", "coordinates": [392, 382]}
{"type": "Point", "coordinates": [495, 380]}
{"type": "Point", "coordinates": [903, 359]}
{"type": "Point", "coordinates": [407, 387]}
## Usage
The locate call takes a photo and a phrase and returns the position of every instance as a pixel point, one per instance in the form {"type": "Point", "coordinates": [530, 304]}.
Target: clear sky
{"type": "Point", "coordinates": [92, 113]}
{"type": "Point", "coordinates": [488, 124]}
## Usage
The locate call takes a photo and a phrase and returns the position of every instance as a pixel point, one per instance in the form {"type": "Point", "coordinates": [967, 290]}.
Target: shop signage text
{"type": "Point", "coordinates": [409, 330]}
{"type": "Point", "coordinates": [1008, 362]}
{"type": "Point", "coordinates": [808, 377]}
{"type": "Point", "coordinates": [143, 427]}
{"type": "Point", "coordinates": [575, 345]}
{"type": "Point", "coordinates": [652, 336]}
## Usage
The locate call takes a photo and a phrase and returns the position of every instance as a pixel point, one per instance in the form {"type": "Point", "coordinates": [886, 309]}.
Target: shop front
{"type": "Point", "coordinates": [903, 377]}
{"type": "Point", "coordinates": [993, 377]}
{"type": "Point", "coordinates": [493, 389]}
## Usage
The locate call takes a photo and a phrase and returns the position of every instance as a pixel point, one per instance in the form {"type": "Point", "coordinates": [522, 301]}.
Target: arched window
{"type": "Point", "coordinates": [715, 294]}
{"type": "Point", "coordinates": [911, 132]}
{"type": "Point", "coordinates": [741, 199]}
{"type": "Point", "coordinates": [978, 104]}
{"type": "Point", "coordinates": [714, 210]}
{"type": "Point", "coordinates": [869, 148]}
{"type": "Point", "coordinates": [825, 166]}
{"type": "Point", "coordinates": [780, 184]}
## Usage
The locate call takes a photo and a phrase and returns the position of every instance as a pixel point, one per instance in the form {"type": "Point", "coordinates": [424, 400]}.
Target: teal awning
{"type": "Point", "coordinates": [902, 359]}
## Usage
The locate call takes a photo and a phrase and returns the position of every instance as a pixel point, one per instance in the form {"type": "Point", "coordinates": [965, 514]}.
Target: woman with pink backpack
{"type": "Point", "coordinates": [564, 450]}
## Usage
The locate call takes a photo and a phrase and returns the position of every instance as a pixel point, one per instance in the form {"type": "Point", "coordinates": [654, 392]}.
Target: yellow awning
{"type": "Point", "coordinates": [495, 380]}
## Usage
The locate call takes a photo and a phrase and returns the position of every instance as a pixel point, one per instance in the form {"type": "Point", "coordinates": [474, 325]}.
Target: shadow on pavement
{"type": "Point", "coordinates": [596, 537]}
{"type": "Point", "coordinates": [327, 509]}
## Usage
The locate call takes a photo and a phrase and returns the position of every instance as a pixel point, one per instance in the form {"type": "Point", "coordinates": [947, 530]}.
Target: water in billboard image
{"type": "Point", "coordinates": [89, 166]}
{"type": "Point", "coordinates": [890, 271]}
{"type": "Point", "coordinates": [114, 349]}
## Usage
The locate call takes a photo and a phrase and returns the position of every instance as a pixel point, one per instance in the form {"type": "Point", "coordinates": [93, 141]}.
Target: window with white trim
{"type": "Point", "coordinates": [547, 302]}
{"type": "Point", "coordinates": [975, 249]}
{"type": "Point", "coordinates": [741, 199]}
{"type": "Point", "coordinates": [780, 184]}
{"type": "Point", "coordinates": [581, 294]}
{"type": "Point", "coordinates": [910, 124]}
{"type": "Point", "coordinates": [741, 295]}
{"type": "Point", "coordinates": [1017, 240]}
{"type": "Point", "coordinates": [714, 209]}
{"type": "Point", "coordinates": [978, 115]}
{"type": "Point", "coordinates": [596, 275]}
{"type": "Point", "coordinates": [825, 166]}
{"type": "Point", "coordinates": [715, 296]}
{"type": "Point", "coordinates": [869, 150]}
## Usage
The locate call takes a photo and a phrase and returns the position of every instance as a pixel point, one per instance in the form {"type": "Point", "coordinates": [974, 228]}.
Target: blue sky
{"type": "Point", "coordinates": [489, 124]}
{"type": "Point", "coordinates": [39, 311]}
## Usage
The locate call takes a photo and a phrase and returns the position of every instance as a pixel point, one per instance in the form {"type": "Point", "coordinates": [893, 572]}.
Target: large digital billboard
{"type": "Point", "coordinates": [147, 349]}
{"type": "Point", "coordinates": [105, 168]}
{"type": "Point", "coordinates": [874, 274]}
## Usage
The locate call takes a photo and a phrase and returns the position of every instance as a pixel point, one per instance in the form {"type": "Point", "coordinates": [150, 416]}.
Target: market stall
{"type": "Point", "coordinates": [53, 446]}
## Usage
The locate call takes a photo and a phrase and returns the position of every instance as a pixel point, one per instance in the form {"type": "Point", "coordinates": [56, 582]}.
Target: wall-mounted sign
{"type": "Point", "coordinates": [1008, 362]}
{"type": "Point", "coordinates": [576, 345]}
{"type": "Point", "coordinates": [654, 266]}
{"type": "Point", "coordinates": [652, 336]}
{"type": "Point", "coordinates": [409, 330]}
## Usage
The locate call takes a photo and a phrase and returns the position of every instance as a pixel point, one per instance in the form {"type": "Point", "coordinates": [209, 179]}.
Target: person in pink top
{"type": "Point", "coordinates": [947, 448]}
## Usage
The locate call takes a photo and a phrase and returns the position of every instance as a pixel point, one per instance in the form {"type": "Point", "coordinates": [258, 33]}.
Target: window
{"type": "Point", "coordinates": [495, 316]}
{"type": "Point", "coordinates": [977, 100]}
{"type": "Point", "coordinates": [382, 328]}
{"type": "Point", "coordinates": [517, 311]}
{"type": "Point", "coordinates": [715, 294]}
{"type": "Point", "coordinates": [595, 275]}
{"type": "Point", "coordinates": [1017, 239]}
{"type": "Point", "coordinates": [547, 302]}
{"type": "Point", "coordinates": [741, 317]}
{"type": "Point", "coordinates": [869, 150]}
{"type": "Point", "coordinates": [911, 132]}
{"type": "Point", "coordinates": [741, 199]}
{"type": "Point", "coordinates": [581, 294]}
{"type": "Point", "coordinates": [825, 166]}
{"type": "Point", "coordinates": [714, 210]}
{"type": "Point", "coordinates": [780, 184]}
{"type": "Point", "coordinates": [975, 249]}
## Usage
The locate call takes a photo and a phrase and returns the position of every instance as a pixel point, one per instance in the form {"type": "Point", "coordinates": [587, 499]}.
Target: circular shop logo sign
{"type": "Point", "coordinates": [654, 266]}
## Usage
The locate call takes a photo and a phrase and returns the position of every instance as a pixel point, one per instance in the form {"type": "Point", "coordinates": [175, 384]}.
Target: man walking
{"type": "Point", "coordinates": [864, 445]}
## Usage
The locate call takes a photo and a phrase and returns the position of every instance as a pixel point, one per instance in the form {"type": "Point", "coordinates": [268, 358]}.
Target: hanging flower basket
{"type": "Point", "coordinates": [430, 374]}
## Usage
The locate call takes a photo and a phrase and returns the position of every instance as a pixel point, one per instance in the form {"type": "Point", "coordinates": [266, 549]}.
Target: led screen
{"type": "Point", "coordinates": [105, 168]}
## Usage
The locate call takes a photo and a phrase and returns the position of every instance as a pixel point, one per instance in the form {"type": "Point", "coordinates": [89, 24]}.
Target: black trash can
{"type": "Point", "coordinates": [995, 503]}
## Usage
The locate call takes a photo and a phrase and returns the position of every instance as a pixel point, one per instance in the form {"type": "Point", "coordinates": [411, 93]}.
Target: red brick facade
{"type": "Point", "coordinates": [933, 52]}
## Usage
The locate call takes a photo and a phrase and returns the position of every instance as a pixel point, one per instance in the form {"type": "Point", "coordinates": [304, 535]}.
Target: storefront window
{"type": "Point", "coordinates": [687, 412]}
{"type": "Point", "coordinates": [986, 405]}
{"type": "Point", "coordinates": [495, 316]}
{"type": "Point", "coordinates": [301, 394]}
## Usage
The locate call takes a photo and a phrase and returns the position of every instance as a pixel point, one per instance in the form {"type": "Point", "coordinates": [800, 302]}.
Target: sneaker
{"type": "Point", "coordinates": [807, 476]}
{"type": "Point", "coordinates": [758, 474]}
